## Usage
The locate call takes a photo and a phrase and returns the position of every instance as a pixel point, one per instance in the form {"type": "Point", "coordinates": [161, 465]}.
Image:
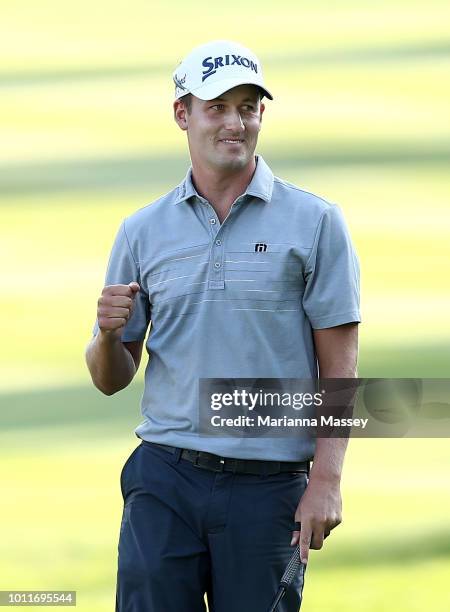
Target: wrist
{"type": "Point", "coordinates": [110, 336]}
{"type": "Point", "coordinates": [326, 475]}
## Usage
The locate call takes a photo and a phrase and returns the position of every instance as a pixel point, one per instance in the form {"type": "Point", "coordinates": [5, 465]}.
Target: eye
{"type": "Point", "coordinates": [249, 107]}
{"type": "Point", "coordinates": [218, 105]}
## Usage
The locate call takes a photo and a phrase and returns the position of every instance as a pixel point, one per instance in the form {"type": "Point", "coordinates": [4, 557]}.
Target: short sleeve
{"type": "Point", "coordinates": [331, 295]}
{"type": "Point", "coordinates": [123, 269]}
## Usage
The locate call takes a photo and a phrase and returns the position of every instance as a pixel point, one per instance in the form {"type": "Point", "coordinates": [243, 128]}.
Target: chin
{"type": "Point", "coordinates": [235, 162]}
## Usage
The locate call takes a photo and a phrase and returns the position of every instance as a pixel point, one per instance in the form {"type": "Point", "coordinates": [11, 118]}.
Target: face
{"type": "Point", "coordinates": [223, 133]}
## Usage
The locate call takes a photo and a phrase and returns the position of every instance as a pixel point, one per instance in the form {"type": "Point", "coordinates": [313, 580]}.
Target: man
{"type": "Point", "coordinates": [242, 275]}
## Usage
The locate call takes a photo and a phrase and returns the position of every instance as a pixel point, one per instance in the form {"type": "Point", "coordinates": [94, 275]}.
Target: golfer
{"type": "Point", "coordinates": [241, 275]}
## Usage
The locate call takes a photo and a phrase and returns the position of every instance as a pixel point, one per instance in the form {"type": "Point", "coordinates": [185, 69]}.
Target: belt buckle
{"type": "Point", "coordinates": [210, 468]}
{"type": "Point", "coordinates": [222, 465]}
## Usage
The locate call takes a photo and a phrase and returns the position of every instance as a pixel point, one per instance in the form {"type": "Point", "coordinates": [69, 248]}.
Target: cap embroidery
{"type": "Point", "coordinates": [212, 66]}
{"type": "Point", "coordinates": [180, 82]}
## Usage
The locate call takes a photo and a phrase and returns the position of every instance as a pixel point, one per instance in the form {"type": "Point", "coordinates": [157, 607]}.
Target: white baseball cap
{"type": "Point", "coordinates": [215, 67]}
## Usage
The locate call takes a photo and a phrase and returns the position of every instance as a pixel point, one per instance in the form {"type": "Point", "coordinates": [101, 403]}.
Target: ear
{"type": "Point", "coordinates": [180, 114]}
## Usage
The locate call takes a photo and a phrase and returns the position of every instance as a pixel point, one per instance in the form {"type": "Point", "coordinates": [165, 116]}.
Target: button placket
{"type": "Point", "coordinates": [213, 221]}
{"type": "Point", "coordinates": [215, 267]}
{"type": "Point", "coordinates": [216, 277]}
{"type": "Point", "coordinates": [217, 260]}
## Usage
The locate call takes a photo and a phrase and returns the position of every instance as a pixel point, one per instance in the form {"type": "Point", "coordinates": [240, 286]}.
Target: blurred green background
{"type": "Point", "coordinates": [360, 117]}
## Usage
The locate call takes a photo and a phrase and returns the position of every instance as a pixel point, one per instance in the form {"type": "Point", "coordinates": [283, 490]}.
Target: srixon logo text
{"type": "Point", "coordinates": [212, 64]}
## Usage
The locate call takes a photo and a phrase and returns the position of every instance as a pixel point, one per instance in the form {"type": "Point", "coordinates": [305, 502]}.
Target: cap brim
{"type": "Point", "coordinates": [213, 90]}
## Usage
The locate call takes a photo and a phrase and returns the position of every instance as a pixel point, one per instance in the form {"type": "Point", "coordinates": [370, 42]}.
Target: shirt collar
{"type": "Point", "coordinates": [261, 185]}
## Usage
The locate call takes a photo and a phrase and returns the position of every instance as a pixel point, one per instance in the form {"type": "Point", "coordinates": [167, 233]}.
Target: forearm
{"type": "Point", "coordinates": [320, 508]}
{"type": "Point", "coordinates": [330, 452]}
{"type": "Point", "coordinates": [337, 355]}
{"type": "Point", "coordinates": [110, 364]}
{"type": "Point", "coordinates": [329, 459]}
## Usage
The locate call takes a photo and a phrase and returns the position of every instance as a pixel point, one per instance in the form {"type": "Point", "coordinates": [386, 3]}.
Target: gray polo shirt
{"type": "Point", "coordinates": [233, 300]}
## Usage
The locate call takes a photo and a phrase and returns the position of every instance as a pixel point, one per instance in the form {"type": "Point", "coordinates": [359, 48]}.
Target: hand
{"type": "Point", "coordinates": [115, 306]}
{"type": "Point", "coordinates": [318, 512]}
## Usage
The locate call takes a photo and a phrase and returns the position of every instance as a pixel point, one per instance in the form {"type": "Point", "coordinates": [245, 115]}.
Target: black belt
{"type": "Point", "coordinates": [214, 463]}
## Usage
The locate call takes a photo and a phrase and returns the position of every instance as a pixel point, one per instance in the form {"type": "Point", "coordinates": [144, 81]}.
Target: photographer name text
{"type": "Point", "coordinates": [284, 421]}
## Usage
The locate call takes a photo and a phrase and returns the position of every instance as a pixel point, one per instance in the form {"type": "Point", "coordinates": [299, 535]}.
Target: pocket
{"type": "Point", "coordinates": [125, 469]}
{"type": "Point", "coordinates": [280, 477]}
{"type": "Point", "coordinates": [294, 475]}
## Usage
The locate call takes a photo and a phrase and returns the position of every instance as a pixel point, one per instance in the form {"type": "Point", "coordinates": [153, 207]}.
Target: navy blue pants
{"type": "Point", "coordinates": [187, 531]}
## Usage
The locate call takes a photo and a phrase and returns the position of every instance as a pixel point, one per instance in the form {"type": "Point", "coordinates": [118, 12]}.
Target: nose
{"type": "Point", "coordinates": [233, 121]}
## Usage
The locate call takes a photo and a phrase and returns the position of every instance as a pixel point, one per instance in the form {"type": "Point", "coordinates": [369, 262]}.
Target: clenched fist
{"type": "Point", "coordinates": [115, 306]}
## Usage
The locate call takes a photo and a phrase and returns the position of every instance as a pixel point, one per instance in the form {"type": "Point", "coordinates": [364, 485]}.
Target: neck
{"type": "Point", "coordinates": [221, 188]}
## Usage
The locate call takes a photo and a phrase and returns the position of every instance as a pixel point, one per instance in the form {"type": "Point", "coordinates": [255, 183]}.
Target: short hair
{"type": "Point", "coordinates": [187, 100]}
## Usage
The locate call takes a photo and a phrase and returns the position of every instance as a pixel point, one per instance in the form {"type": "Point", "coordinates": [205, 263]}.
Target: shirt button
{"type": "Point", "coordinates": [218, 242]}
{"type": "Point", "coordinates": [212, 221]}
{"type": "Point", "coordinates": [217, 265]}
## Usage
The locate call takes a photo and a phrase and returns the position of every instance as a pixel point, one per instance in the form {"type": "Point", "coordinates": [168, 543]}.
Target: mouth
{"type": "Point", "coordinates": [231, 141]}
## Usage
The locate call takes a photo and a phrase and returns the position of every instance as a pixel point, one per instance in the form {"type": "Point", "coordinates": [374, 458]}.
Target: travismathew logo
{"type": "Point", "coordinates": [212, 64]}
{"type": "Point", "coordinates": [260, 247]}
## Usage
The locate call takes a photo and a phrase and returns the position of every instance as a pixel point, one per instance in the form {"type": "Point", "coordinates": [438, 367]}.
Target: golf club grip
{"type": "Point", "coordinates": [292, 568]}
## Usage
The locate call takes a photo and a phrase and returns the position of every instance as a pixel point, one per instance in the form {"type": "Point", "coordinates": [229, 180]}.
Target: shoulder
{"type": "Point", "coordinates": [299, 201]}
{"type": "Point", "coordinates": [299, 196]}
{"type": "Point", "coordinates": [151, 213]}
